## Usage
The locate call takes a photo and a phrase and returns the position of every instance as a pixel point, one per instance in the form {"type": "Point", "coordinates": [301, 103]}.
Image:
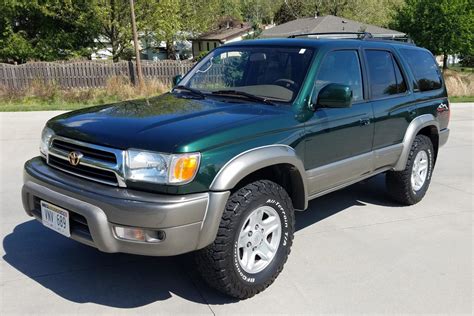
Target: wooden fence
{"type": "Point", "coordinates": [86, 74]}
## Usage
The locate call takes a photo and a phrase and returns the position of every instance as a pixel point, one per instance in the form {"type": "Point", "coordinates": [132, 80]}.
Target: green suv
{"type": "Point", "coordinates": [220, 164]}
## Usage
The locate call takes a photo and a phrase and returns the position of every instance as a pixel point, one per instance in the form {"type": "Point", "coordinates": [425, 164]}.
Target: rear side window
{"type": "Point", "coordinates": [384, 74]}
{"type": "Point", "coordinates": [341, 67]}
{"type": "Point", "coordinates": [424, 69]}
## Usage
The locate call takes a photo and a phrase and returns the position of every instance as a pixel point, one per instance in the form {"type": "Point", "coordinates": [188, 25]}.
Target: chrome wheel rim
{"type": "Point", "coordinates": [419, 171]}
{"type": "Point", "coordinates": [259, 239]}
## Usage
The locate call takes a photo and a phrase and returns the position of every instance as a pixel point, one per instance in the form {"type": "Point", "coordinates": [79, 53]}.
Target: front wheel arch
{"type": "Point", "coordinates": [285, 175]}
{"type": "Point", "coordinates": [261, 163]}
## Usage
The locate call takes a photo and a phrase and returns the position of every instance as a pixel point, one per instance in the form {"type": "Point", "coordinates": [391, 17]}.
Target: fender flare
{"type": "Point", "coordinates": [255, 159]}
{"type": "Point", "coordinates": [415, 126]}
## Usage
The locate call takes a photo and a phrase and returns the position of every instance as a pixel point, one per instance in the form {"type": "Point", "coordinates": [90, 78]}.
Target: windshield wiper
{"type": "Point", "coordinates": [247, 95]}
{"type": "Point", "coordinates": [191, 90]}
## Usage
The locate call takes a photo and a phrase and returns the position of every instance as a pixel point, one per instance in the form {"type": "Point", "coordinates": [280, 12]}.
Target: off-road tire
{"type": "Point", "coordinates": [399, 184]}
{"type": "Point", "coordinates": [218, 263]}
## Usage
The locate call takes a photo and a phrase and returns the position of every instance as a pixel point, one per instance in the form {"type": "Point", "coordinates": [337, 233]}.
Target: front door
{"type": "Point", "coordinates": [338, 141]}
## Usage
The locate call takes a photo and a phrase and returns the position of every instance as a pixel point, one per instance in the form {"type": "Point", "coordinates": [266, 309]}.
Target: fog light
{"type": "Point", "coordinates": [139, 234]}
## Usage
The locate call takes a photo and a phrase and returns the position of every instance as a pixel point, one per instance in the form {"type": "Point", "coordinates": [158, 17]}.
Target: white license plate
{"type": "Point", "coordinates": [55, 218]}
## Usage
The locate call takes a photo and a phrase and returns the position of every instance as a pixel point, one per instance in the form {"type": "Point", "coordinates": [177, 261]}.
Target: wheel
{"type": "Point", "coordinates": [409, 186]}
{"type": "Point", "coordinates": [253, 241]}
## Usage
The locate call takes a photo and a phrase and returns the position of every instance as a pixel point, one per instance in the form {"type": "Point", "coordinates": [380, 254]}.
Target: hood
{"type": "Point", "coordinates": [165, 123]}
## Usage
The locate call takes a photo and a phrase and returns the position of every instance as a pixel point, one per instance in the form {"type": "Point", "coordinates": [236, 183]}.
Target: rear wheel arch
{"type": "Point", "coordinates": [425, 124]}
{"type": "Point", "coordinates": [431, 131]}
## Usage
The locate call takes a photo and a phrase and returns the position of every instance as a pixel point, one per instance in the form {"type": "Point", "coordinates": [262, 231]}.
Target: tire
{"type": "Point", "coordinates": [222, 264]}
{"type": "Point", "coordinates": [402, 186]}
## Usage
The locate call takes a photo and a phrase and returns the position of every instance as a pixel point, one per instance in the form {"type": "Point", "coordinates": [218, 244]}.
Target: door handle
{"type": "Point", "coordinates": [364, 121]}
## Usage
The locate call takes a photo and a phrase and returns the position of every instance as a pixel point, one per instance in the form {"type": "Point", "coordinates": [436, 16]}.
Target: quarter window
{"type": "Point", "coordinates": [341, 67]}
{"type": "Point", "coordinates": [425, 70]}
{"type": "Point", "coordinates": [385, 76]}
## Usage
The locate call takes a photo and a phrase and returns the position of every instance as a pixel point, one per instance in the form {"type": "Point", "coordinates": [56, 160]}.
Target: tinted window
{"type": "Point", "coordinates": [424, 69]}
{"type": "Point", "coordinates": [384, 74]}
{"type": "Point", "coordinates": [401, 85]}
{"type": "Point", "coordinates": [341, 67]}
{"type": "Point", "coordinates": [276, 73]}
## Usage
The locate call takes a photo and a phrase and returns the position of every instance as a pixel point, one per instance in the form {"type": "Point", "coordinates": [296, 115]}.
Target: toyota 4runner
{"type": "Point", "coordinates": [249, 135]}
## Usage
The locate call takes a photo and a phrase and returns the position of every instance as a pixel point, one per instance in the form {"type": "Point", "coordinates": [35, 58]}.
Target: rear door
{"type": "Point", "coordinates": [392, 103]}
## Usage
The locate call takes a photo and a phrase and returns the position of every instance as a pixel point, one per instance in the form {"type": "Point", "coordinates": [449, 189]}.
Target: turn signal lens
{"type": "Point", "coordinates": [184, 168]}
{"type": "Point", "coordinates": [139, 234]}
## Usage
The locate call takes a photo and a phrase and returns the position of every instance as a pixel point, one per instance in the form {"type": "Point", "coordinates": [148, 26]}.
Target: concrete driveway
{"type": "Point", "coordinates": [354, 250]}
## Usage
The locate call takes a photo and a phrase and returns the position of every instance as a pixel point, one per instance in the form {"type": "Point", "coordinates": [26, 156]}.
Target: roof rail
{"type": "Point", "coordinates": [360, 35]}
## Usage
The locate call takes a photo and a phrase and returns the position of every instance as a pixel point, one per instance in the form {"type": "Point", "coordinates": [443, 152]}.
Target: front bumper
{"type": "Point", "coordinates": [189, 222]}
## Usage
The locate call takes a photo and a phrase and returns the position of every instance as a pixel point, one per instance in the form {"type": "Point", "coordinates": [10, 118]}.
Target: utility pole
{"type": "Point", "coordinates": [135, 43]}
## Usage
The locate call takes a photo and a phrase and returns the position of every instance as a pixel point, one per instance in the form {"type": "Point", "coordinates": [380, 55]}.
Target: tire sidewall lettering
{"type": "Point", "coordinates": [261, 276]}
{"type": "Point", "coordinates": [429, 152]}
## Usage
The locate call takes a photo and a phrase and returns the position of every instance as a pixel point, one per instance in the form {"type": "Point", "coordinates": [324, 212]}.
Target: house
{"type": "Point", "coordinates": [225, 33]}
{"type": "Point", "coordinates": [328, 23]}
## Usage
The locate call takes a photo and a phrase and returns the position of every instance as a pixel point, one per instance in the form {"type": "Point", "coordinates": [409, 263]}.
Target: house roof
{"type": "Point", "coordinates": [224, 34]}
{"type": "Point", "coordinates": [322, 24]}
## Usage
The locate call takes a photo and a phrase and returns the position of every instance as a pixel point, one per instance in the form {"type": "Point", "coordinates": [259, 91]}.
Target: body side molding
{"type": "Point", "coordinates": [255, 159]}
{"type": "Point", "coordinates": [415, 126]}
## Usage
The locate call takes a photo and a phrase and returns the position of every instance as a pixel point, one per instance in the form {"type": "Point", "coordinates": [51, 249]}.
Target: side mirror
{"type": "Point", "coordinates": [177, 79]}
{"type": "Point", "coordinates": [333, 95]}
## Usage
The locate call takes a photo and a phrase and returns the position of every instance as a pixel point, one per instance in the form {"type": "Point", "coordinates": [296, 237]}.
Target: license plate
{"type": "Point", "coordinates": [55, 218]}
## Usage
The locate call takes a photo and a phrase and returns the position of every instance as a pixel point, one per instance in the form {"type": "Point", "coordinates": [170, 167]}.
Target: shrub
{"type": "Point", "coordinates": [467, 61]}
{"type": "Point", "coordinates": [459, 84]}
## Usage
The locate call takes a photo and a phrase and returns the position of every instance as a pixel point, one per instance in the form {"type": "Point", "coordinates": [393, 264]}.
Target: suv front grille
{"type": "Point", "coordinates": [86, 151]}
{"type": "Point", "coordinates": [99, 175]}
{"type": "Point", "coordinates": [96, 163]}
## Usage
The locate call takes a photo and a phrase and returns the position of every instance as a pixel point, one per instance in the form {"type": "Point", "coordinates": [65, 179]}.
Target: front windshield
{"type": "Point", "coordinates": [273, 73]}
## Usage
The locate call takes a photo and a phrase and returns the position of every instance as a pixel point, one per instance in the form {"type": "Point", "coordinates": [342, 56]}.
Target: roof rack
{"type": "Point", "coordinates": [361, 36]}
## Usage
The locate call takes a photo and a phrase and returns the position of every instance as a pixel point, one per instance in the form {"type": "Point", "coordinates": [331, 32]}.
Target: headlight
{"type": "Point", "coordinates": [154, 167]}
{"type": "Point", "coordinates": [46, 135]}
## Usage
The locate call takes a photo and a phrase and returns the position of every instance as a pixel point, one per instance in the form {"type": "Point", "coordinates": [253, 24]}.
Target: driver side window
{"type": "Point", "coordinates": [341, 67]}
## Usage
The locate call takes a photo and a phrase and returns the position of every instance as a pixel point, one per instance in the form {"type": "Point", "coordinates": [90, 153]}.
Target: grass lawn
{"type": "Point", "coordinates": [461, 69]}
{"type": "Point", "coordinates": [462, 99]}
{"type": "Point", "coordinates": [47, 97]}
{"type": "Point", "coordinates": [33, 104]}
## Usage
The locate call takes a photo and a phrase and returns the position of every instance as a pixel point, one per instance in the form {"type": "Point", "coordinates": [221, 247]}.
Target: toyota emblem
{"type": "Point", "coordinates": [74, 157]}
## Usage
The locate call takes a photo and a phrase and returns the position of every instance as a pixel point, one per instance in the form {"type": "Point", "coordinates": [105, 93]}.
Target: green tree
{"type": "Point", "coordinates": [46, 29]}
{"type": "Point", "coordinates": [115, 30]}
{"type": "Point", "coordinates": [294, 9]}
{"type": "Point", "coordinates": [198, 16]}
{"type": "Point", "coordinates": [230, 9]}
{"type": "Point", "coordinates": [171, 20]}
{"type": "Point", "coordinates": [377, 12]}
{"type": "Point", "coordinates": [260, 11]}
{"type": "Point", "coordinates": [443, 26]}
{"type": "Point", "coordinates": [166, 23]}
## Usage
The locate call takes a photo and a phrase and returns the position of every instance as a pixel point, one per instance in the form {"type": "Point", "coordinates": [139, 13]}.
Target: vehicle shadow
{"type": "Point", "coordinates": [370, 191]}
{"type": "Point", "coordinates": [82, 274]}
